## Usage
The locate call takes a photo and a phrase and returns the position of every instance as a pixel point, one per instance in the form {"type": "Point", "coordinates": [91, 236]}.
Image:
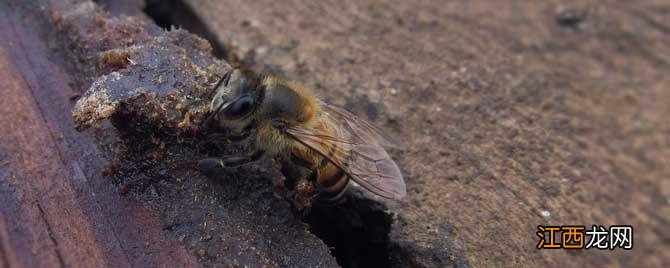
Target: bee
{"type": "Point", "coordinates": [321, 147]}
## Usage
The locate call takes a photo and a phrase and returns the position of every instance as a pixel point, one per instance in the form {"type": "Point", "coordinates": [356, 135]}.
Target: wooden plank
{"type": "Point", "coordinates": [58, 207]}
{"type": "Point", "coordinates": [63, 211]}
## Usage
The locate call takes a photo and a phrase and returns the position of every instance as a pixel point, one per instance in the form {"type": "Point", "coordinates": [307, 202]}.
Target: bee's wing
{"type": "Point", "coordinates": [358, 153]}
{"type": "Point", "coordinates": [359, 127]}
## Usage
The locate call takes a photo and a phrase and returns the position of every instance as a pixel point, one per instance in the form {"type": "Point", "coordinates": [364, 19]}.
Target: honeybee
{"type": "Point", "coordinates": [321, 147]}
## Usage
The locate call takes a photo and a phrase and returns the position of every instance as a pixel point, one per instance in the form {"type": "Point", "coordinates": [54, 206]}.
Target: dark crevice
{"type": "Point", "coordinates": [175, 13]}
{"type": "Point", "coordinates": [50, 232]}
{"type": "Point", "coordinates": [357, 231]}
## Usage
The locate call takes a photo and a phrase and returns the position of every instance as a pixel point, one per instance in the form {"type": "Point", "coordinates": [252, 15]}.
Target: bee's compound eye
{"type": "Point", "coordinates": [240, 107]}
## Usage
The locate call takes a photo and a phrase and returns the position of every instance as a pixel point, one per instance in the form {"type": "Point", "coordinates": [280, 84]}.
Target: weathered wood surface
{"type": "Point", "coordinates": [511, 110]}
{"type": "Point", "coordinates": [57, 210]}
{"type": "Point", "coordinates": [57, 207]}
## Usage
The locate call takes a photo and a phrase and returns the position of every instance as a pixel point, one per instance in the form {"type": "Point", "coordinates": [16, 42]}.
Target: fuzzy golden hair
{"type": "Point", "coordinates": [274, 141]}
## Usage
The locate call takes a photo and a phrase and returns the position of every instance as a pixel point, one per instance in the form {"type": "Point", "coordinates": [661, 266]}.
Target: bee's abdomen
{"type": "Point", "coordinates": [332, 181]}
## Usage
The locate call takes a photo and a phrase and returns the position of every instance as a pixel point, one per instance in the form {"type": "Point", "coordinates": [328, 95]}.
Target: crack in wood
{"type": "Point", "coordinates": [59, 256]}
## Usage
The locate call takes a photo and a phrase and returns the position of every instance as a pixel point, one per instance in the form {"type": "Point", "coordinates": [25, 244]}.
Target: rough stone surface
{"type": "Point", "coordinates": [515, 114]}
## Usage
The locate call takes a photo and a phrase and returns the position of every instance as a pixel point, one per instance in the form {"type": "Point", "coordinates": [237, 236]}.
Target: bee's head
{"type": "Point", "coordinates": [236, 98]}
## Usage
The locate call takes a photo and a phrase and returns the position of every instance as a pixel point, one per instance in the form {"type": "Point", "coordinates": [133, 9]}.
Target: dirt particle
{"type": "Point", "coordinates": [74, 96]}
{"type": "Point", "coordinates": [571, 19]}
{"type": "Point", "coordinates": [110, 169]}
{"type": "Point", "coordinates": [201, 253]}
{"type": "Point", "coordinates": [56, 16]}
{"type": "Point", "coordinates": [124, 189]}
{"type": "Point", "coordinates": [115, 59]}
{"type": "Point", "coordinates": [250, 23]}
{"type": "Point", "coordinates": [92, 108]}
{"type": "Point", "coordinates": [100, 22]}
{"type": "Point", "coordinates": [545, 213]}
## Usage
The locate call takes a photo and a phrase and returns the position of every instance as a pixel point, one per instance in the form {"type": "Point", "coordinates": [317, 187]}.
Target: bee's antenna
{"type": "Point", "coordinates": [213, 114]}
{"type": "Point", "coordinates": [223, 79]}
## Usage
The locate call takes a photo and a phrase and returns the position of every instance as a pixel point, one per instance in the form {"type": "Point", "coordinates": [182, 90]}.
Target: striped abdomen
{"type": "Point", "coordinates": [331, 181]}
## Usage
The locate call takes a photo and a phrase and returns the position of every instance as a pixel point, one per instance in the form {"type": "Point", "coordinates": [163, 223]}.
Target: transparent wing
{"type": "Point", "coordinates": [360, 127]}
{"type": "Point", "coordinates": [352, 147]}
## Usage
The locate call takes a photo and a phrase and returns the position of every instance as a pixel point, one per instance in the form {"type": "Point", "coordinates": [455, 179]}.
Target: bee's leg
{"type": "Point", "coordinates": [294, 169]}
{"type": "Point", "coordinates": [237, 137]}
{"type": "Point", "coordinates": [212, 164]}
{"type": "Point", "coordinates": [303, 196]}
{"type": "Point", "coordinates": [217, 137]}
{"type": "Point", "coordinates": [241, 160]}
{"type": "Point", "coordinates": [308, 193]}
{"type": "Point", "coordinates": [300, 176]}
{"type": "Point", "coordinates": [305, 212]}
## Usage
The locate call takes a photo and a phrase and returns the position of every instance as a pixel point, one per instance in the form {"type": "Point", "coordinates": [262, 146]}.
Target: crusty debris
{"type": "Point", "coordinates": [163, 78]}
